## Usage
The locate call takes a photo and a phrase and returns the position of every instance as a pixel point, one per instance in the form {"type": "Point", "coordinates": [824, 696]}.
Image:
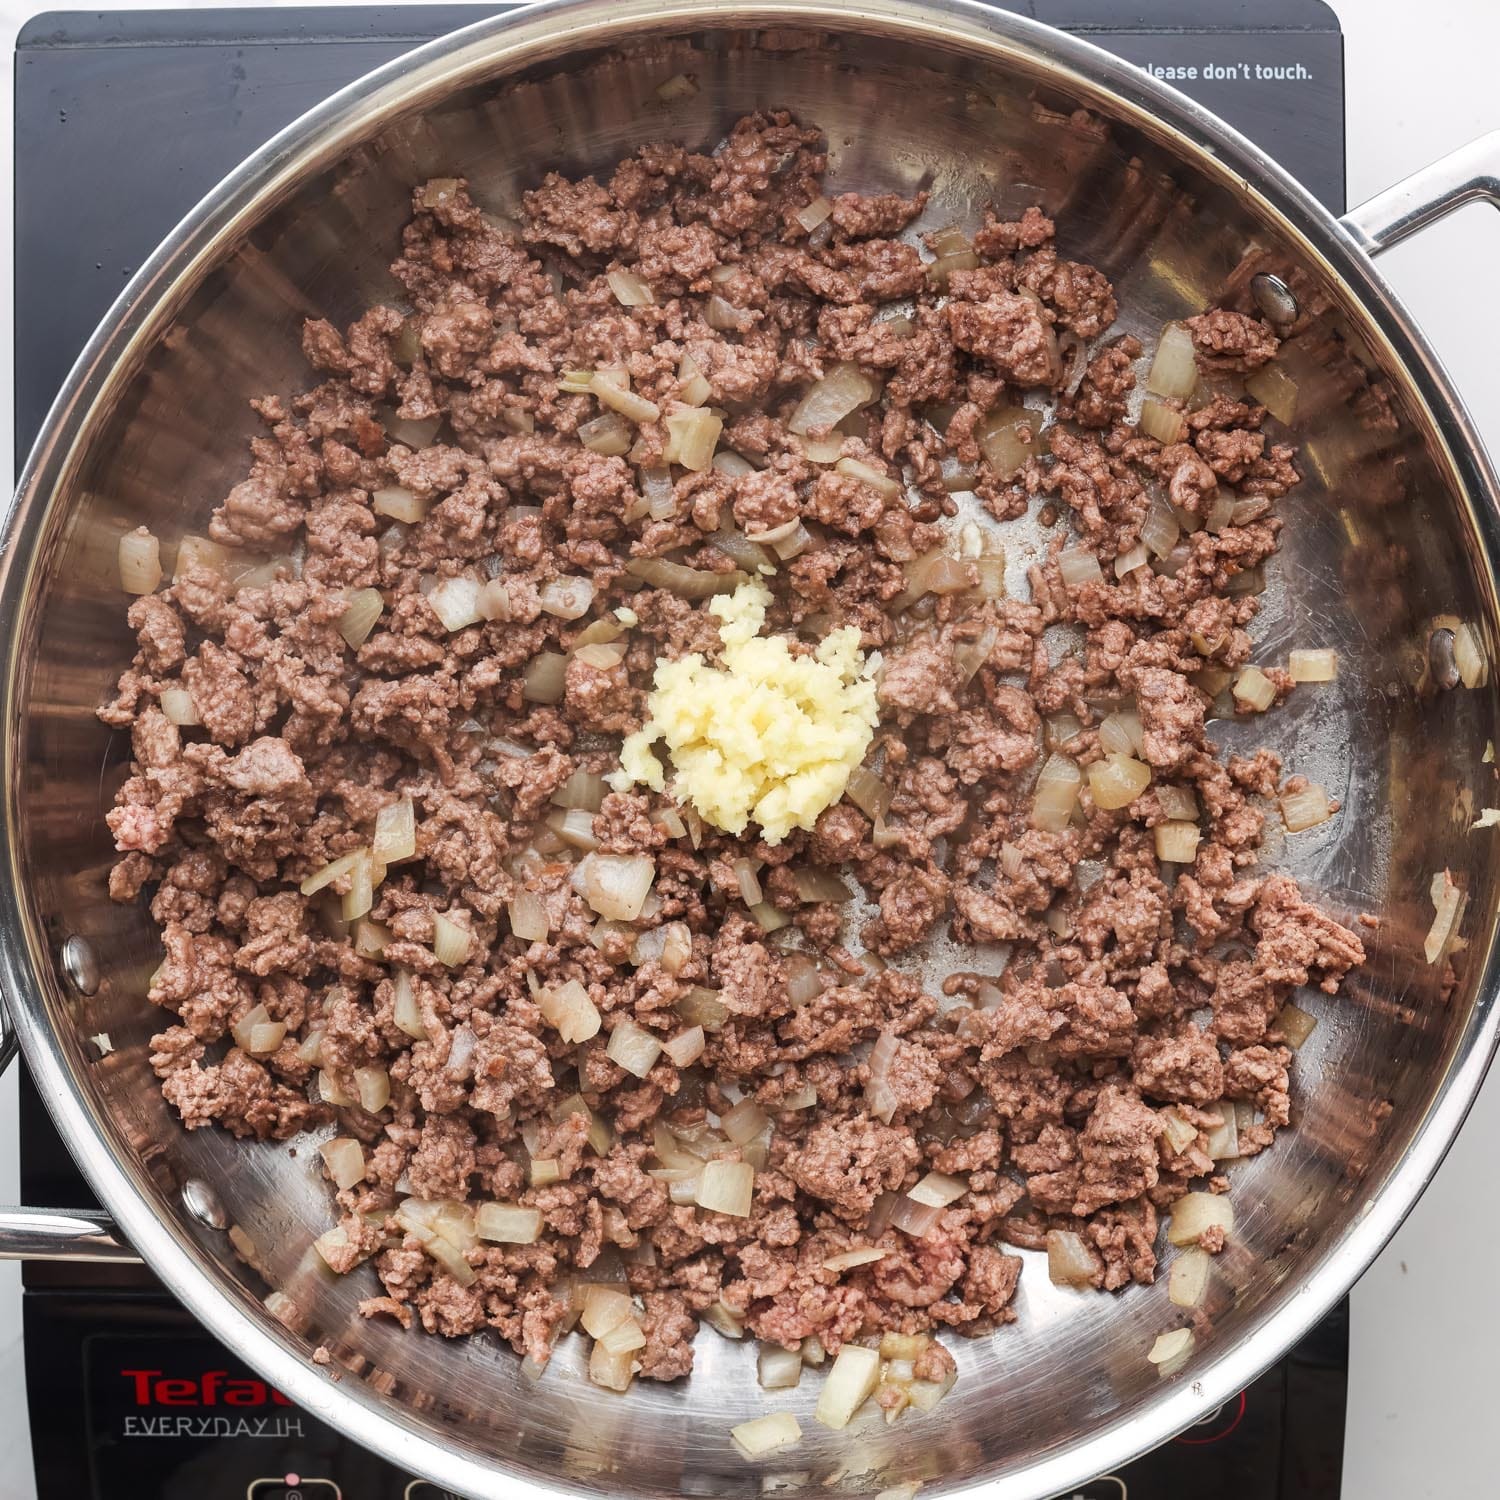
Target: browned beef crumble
{"type": "Point", "coordinates": [1044, 1086]}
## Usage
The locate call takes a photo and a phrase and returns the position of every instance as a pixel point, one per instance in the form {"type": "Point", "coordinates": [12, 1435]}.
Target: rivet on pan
{"type": "Point", "coordinates": [202, 1202]}
{"type": "Point", "coordinates": [1441, 659]}
{"type": "Point", "coordinates": [80, 965]}
{"type": "Point", "coordinates": [1274, 298]}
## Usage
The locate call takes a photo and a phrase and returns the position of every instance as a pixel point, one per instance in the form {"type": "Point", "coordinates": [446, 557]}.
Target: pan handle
{"type": "Point", "coordinates": [61, 1234]}
{"type": "Point", "coordinates": [1469, 175]}
{"type": "Point", "coordinates": [54, 1233]}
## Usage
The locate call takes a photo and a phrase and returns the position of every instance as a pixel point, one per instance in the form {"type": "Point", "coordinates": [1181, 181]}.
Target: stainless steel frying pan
{"type": "Point", "coordinates": [1391, 542]}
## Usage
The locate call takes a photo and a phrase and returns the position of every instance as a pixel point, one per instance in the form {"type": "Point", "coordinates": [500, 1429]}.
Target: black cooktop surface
{"type": "Point", "coordinates": [123, 120]}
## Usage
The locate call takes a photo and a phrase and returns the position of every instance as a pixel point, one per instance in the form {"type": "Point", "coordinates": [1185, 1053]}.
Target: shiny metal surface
{"type": "Point", "coordinates": [1468, 175]}
{"type": "Point", "coordinates": [1395, 526]}
{"type": "Point", "coordinates": [56, 1234]}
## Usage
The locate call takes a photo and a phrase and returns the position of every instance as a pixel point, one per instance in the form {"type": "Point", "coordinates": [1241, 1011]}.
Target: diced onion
{"type": "Point", "coordinates": [749, 887]}
{"type": "Point", "coordinates": [692, 436]}
{"type": "Point", "coordinates": [916, 1219]}
{"type": "Point", "coordinates": [702, 1007]}
{"type": "Point", "coordinates": [1177, 841]}
{"type": "Point", "coordinates": [618, 397]}
{"type": "Point", "coordinates": [1253, 690]}
{"type": "Point", "coordinates": [1070, 1262]}
{"type": "Point", "coordinates": [1079, 566]}
{"type": "Point", "coordinates": [399, 504]}
{"type": "Point", "coordinates": [374, 1085]}
{"type": "Point", "coordinates": [1313, 666]}
{"type": "Point", "coordinates": [770, 918]}
{"type": "Point", "coordinates": [810, 215]}
{"type": "Point", "coordinates": [1056, 793]}
{"type": "Point", "coordinates": [868, 793]}
{"type": "Point", "coordinates": [576, 382]}
{"type": "Point", "coordinates": [257, 1015]}
{"type": "Point", "coordinates": [1295, 1024]}
{"type": "Point", "coordinates": [330, 1092]}
{"type": "Point", "coordinates": [178, 707]}
{"type": "Point", "coordinates": [727, 1187]}
{"type": "Point", "coordinates": [767, 1434]}
{"type": "Point", "coordinates": [1188, 1279]}
{"type": "Point", "coordinates": [1177, 802]}
{"type": "Point", "coordinates": [198, 552]}
{"type": "Point", "coordinates": [506, 1224]}
{"type": "Point", "coordinates": [455, 601]}
{"type": "Point", "coordinates": [676, 578]}
{"type": "Point", "coordinates": [493, 600]}
{"type": "Point", "coordinates": [1305, 809]}
{"type": "Point", "coordinates": [848, 1385]}
{"type": "Point", "coordinates": [633, 1048]}
{"type": "Point", "coordinates": [615, 885]}
{"type": "Point", "coordinates": [629, 289]}
{"type": "Point", "coordinates": [678, 86]}
{"type": "Point", "coordinates": [693, 388]}
{"type": "Point", "coordinates": [395, 832]}
{"type": "Point", "coordinates": [1448, 897]}
{"type": "Point", "coordinates": [1220, 514]}
{"type": "Point", "coordinates": [574, 826]}
{"type": "Point", "coordinates": [686, 1047]}
{"type": "Point", "coordinates": [1275, 390]}
{"type": "Point", "coordinates": [827, 450]}
{"type": "Point", "coordinates": [408, 1013]}
{"type": "Point", "coordinates": [1194, 1213]}
{"type": "Point", "coordinates": [778, 1369]}
{"type": "Point", "coordinates": [543, 680]}
{"type": "Point", "coordinates": [345, 1159]}
{"type": "Point", "coordinates": [847, 1260]}
{"type": "Point", "coordinates": [744, 1122]}
{"type": "Point", "coordinates": [844, 389]}
{"type": "Point", "coordinates": [1007, 439]}
{"type": "Point", "coordinates": [412, 432]}
{"type": "Point", "coordinates": [1120, 733]}
{"type": "Point", "coordinates": [624, 1338]}
{"type": "Point", "coordinates": [612, 1372]}
{"type": "Point", "coordinates": [1222, 1142]}
{"type": "Point", "coordinates": [724, 316]}
{"type": "Point", "coordinates": [739, 548]}
{"type": "Point", "coordinates": [1160, 530]}
{"type": "Point", "coordinates": [358, 619]}
{"type": "Point", "coordinates": [266, 1038]}
{"type": "Point", "coordinates": [1118, 780]}
{"type": "Point", "coordinates": [852, 468]}
{"type": "Point", "coordinates": [330, 1244]}
{"type": "Point", "coordinates": [361, 893]}
{"type": "Point", "coordinates": [938, 1190]}
{"type": "Point", "coordinates": [568, 1008]}
{"type": "Point", "coordinates": [1164, 423]}
{"type": "Point", "coordinates": [954, 252]}
{"type": "Point", "coordinates": [1174, 370]}
{"type": "Point", "coordinates": [1128, 562]}
{"type": "Point", "coordinates": [1171, 1349]}
{"type": "Point", "coordinates": [450, 940]}
{"type": "Point", "coordinates": [140, 562]}
{"type": "Point", "coordinates": [610, 435]}
{"type": "Point", "coordinates": [1179, 1132]}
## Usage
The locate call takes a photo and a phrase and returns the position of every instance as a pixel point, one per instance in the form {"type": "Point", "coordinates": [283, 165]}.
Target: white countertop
{"type": "Point", "coordinates": [1422, 79]}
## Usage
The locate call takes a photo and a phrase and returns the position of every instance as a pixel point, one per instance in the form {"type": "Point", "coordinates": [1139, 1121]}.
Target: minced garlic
{"type": "Point", "coordinates": [767, 736]}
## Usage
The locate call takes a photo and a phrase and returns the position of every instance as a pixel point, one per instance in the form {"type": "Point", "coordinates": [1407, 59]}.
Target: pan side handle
{"type": "Point", "coordinates": [1469, 175]}
{"type": "Point", "coordinates": [61, 1234]}
{"type": "Point", "coordinates": [54, 1233]}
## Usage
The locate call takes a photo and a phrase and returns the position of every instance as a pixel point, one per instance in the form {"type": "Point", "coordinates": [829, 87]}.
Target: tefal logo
{"type": "Point", "coordinates": [211, 1388]}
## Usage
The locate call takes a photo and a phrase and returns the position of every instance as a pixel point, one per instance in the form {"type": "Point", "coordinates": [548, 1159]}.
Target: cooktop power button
{"type": "Point", "coordinates": [293, 1487]}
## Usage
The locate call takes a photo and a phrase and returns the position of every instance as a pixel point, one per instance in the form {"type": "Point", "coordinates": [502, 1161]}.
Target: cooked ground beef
{"type": "Point", "coordinates": [1042, 1082]}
